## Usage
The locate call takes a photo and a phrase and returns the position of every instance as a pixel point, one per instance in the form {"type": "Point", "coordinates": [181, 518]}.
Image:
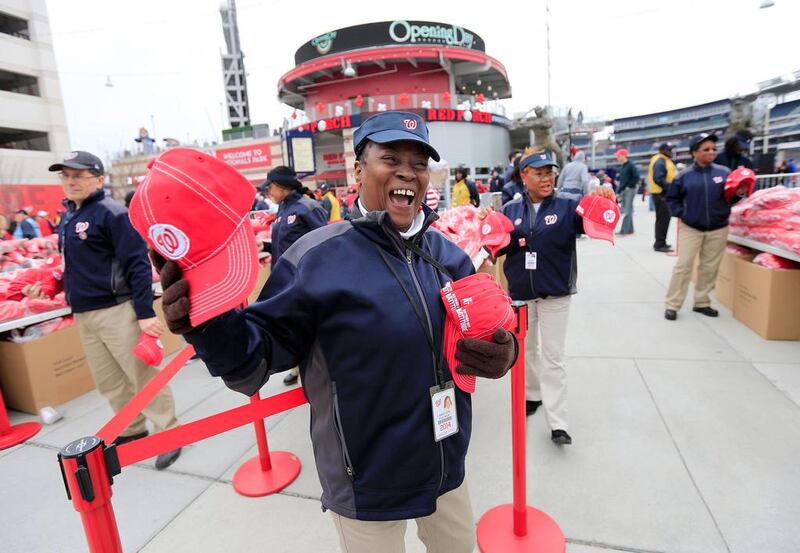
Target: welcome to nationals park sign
{"type": "Point", "coordinates": [388, 33]}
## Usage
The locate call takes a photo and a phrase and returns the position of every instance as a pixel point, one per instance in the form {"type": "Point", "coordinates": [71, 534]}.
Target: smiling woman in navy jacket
{"type": "Point", "coordinates": [541, 267]}
{"type": "Point", "coordinates": [367, 332]}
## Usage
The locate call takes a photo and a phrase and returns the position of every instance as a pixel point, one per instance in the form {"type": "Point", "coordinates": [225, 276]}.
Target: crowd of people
{"type": "Point", "coordinates": [365, 333]}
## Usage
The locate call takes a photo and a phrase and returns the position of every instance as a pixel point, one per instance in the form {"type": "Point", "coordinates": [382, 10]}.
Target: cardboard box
{"type": "Point", "coordinates": [50, 370]}
{"type": "Point", "coordinates": [725, 286]}
{"type": "Point", "coordinates": [496, 271]}
{"type": "Point", "coordinates": [767, 301]}
{"type": "Point", "coordinates": [172, 342]}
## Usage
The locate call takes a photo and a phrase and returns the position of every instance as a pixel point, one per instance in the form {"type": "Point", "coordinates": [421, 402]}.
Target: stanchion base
{"type": "Point", "coordinates": [19, 433]}
{"type": "Point", "coordinates": [251, 481]}
{"type": "Point", "coordinates": [496, 532]}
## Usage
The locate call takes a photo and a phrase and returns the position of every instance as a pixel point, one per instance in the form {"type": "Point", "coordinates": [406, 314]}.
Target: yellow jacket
{"type": "Point", "coordinates": [460, 194]}
{"type": "Point", "coordinates": [654, 187]}
{"type": "Point", "coordinates": [330, 200]}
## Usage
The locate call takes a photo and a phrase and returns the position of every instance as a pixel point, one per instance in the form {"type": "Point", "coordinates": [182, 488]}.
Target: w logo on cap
{"type": "Point", "coordinates": [170, 241]}
{"type": "Point", "coordinates": [410, 124]}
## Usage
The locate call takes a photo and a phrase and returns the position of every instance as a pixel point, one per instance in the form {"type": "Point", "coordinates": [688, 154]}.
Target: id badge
{"type": "Point", "coordinates": [445, 418]}
{"type": "Point", "coordinates": [530, 261]}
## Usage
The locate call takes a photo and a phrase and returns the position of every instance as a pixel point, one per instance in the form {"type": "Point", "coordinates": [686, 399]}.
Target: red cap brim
{"type": "Point", "coordinates": [452, 334]}
{"type": "Point", "coordinates": [223, 281]}
{"type": "Point", "coordinates": [598, 231]}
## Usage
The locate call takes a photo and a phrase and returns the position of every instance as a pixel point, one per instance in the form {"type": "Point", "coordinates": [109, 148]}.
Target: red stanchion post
{"type": "Point", "coordinates": [88, 468]}
{"type": "Point", "coordinates": [270, 471]}
{"type": "Point", "coordinates": [11, 435]}
{"type": "Point", "coordinates": [517, 527]}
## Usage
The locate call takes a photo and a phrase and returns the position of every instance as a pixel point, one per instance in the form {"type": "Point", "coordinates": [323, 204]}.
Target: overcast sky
{"type": "Point", "coordinates": [609, 58]}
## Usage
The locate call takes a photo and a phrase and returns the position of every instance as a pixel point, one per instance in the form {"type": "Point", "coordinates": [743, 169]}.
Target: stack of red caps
{"type": "Point", "coordinates": [476, 306]}
{"type": "Point", "coordinates": [496, 232]}
{"type": "Point", "coordinates": [149, 349]}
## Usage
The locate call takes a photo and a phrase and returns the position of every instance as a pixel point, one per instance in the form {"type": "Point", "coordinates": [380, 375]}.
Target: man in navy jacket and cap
{"type": "Point", "coordinates": [367, 333]}
{"type": "Point", "coordinates": [108, 284]}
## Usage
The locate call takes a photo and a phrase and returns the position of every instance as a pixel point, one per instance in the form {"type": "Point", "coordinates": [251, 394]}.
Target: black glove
{"type": "Point", "coordinates": [175, 300]}
{"type": "Point", "coordinates": [487, 359]}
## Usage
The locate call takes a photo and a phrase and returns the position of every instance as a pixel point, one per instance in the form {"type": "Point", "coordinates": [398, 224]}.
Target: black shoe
{"type": "Point", "coordinates": [670, 314]}
{"type": "Point", "coordinates": [560, 437]}
{"type": "Point", "coordinates": [663, 249]}
{"type": "Point", "coordinates": [166, 459]}
{"type": "Point", "coordinates": [531, 407]}
{"type": "Point", "coordinates": [125, 439]}
{"type": "Point", "coordinates": [290, 379]}
{"type": "Point", "coordinates": [707, 311]}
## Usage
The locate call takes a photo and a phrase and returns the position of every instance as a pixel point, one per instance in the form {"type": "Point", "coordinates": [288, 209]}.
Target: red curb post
{"type": "Point", "coordinates": [517, 527]}
{"type": "Point", "coordinates": [11, 435]}
{"type": "Point", "coordinates": [269, 472]}
{"type": "Point", "coordinates": [88, 468]}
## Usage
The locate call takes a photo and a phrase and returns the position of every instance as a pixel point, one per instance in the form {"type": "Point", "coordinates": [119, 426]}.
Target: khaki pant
{"type": "Point", "coordinates": [545, 368]}
{"type": "Point", "coordinates": [108, 335]}
{"type": "Point", "coordinates": [709, 246]}
{"type": "Point", "coordinates": [451, 529]}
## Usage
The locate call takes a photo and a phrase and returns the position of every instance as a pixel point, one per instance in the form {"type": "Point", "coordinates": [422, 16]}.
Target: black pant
{"type": "Point", "coordinates": [662, 220]}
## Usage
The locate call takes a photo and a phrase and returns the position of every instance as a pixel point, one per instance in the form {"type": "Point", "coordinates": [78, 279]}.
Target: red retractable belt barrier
{"type": "Point", "coordinates": [88, 465]}
{"type": "Point", "coordinates": [11, 435]}
{"type": "Point", "coordinates": [517, 527]}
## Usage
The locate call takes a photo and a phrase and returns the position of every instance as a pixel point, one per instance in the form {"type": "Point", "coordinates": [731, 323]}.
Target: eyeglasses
{"type": "Point", "coordinates": [541, 176]}
{"type": "Point", "coordinates": [67, 178]}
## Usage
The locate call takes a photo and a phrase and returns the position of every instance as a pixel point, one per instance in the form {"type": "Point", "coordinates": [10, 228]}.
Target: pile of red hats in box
{"type": "Point", "coordinates": [770, 216]}
{"type": "Point", "coordinates": [24, 263]}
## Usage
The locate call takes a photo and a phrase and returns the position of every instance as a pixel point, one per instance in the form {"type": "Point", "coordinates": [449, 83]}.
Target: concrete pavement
{"type": "Point", "coordinates": [686, 439]}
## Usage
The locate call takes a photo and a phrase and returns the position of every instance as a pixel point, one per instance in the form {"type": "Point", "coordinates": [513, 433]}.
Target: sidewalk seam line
{"type": "Point", "coordinates": [682, 458]}
{"type": "Point", "coordinates": [624, 548]}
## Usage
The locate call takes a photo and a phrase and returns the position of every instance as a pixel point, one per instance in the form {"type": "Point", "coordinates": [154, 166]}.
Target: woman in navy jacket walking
{"type": "Point", "coordinates": [542, 269]}
{"type": "Point", "coordinates": [297, 215]}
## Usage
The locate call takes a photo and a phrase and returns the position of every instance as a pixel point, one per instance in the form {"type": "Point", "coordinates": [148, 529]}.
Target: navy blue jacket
{"type": "Point", "coordinates": [696, 196]}
{"type": "Point", "coordinates": [511, 189]}
{"type": "Point", "coordinates": [366, 364]}
{"type": "Point", "coordinates": [105, 259]}
{"type": "Point", "coordinates": [297, 215]}
{"type": "Point", "coordinates": [551, 234]}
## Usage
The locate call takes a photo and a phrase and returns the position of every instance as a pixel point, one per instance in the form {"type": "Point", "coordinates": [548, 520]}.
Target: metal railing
{"type": "Point", "coordinates": [789, 180]}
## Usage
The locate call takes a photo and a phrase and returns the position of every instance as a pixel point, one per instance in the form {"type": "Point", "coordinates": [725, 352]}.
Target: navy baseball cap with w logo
{"type": "Point", "coordinates": [79, 159]}
{"type": "Point", "coordinates": [393, 126]}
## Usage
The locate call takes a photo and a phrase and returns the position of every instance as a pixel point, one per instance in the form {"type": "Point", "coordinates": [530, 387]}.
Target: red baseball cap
{"type": "Point", "coordinates": [738, 177]}
{"type": "Point", "coordinates": [149, 349]}
{"type": "Point", "coordinates": [192, 209]}
{"type": "Point", "coordinates": [600, 216]}
{"type": "Point", "coordinates": [496, 231]}
{"type": "Point", "coordinates": [476, 306]}
{"type": "Point", "coordinates": [621, 152]}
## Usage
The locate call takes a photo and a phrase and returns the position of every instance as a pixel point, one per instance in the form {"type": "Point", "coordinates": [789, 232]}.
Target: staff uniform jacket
{"type": "Point", "coordinates": [511, 189]}
{"type": "Point", "coordinates": [696, 196]}
{"type": "Point", "coordinates": [366, 364]}
{"type": "Point", "coordinates": [297, 215]}
{"type": "Point", "coordinates": [105, 259]}
{"type": "Point", "coordinates": [660, 172]}
{"type": "Point", "coordinates": [551, 234]}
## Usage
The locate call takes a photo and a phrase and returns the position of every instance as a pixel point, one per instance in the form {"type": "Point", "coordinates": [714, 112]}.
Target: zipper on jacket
{"type": "Point", "coordinates": [531, 229]}
{"type": "Point", "coordinates": [337, 423]}
{"type": "Point", "coordinates": [708, 214]}
{"type": "Point", "coordinates": [408, 256]}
